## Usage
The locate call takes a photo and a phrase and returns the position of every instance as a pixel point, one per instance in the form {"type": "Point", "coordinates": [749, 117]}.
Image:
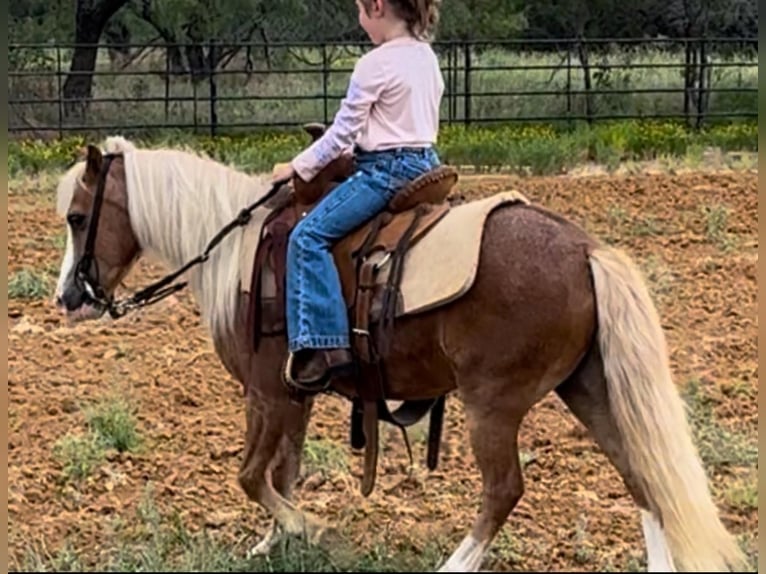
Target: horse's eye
{"type": "Point", "coordinates": [76, 220]}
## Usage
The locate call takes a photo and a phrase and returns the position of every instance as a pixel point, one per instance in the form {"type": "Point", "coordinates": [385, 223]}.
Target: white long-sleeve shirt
{"type": "Point", "coordinates": [392, 101]}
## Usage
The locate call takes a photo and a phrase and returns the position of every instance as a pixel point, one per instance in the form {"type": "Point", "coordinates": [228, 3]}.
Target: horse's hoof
{"type": "Point", "coordinates": [264, 547]}
{"type": "Point", "coordinates": [316, 530]}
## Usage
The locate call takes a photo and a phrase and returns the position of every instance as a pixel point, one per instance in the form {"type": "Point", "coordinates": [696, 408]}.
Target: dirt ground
{"type": "Point", "coordinates": [693, 234]}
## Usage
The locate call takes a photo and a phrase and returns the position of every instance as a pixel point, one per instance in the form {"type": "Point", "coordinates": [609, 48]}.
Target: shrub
{"type": "Point", "coordinates": [541, 148]}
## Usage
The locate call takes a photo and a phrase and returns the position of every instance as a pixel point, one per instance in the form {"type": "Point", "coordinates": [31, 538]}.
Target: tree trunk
{"type": "Point", "coordinates": [266, 51]}
{"type": "Point", "coordinates": [175, 62]}
{"type": "Point", "coordinates": [582, 49]}
{"type": "Point", "coordinates": [176, 65]}
{"type": "Point", "coordinates": [198, 65]}
{"type": "Point", "coordinates": [90, 20]}
{"type": "Point", "coordinates": [691, 71]}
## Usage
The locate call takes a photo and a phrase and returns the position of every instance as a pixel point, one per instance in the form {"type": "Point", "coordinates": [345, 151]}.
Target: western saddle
{"type": "Point", "coordinates": [372, 305]}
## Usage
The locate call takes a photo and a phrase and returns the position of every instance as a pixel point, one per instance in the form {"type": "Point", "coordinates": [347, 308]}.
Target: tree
{"type": "Point", "coordinates": [91, 18]}
{"type": "Point", "coordinates": [581, 20]}
{"type": "Point", "coordinates": [477, 19]}
{"type": "Point", "coordinates": [200, 35]}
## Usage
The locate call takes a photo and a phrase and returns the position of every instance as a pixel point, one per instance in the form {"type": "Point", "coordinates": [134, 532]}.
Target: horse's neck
{"type": "Point", "coordinates": [177, 207]}
{"type": "Point", "coordinates": [179, 201]}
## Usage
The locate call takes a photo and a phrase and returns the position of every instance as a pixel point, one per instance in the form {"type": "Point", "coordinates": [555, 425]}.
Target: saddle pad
{"type": "Point", "coordinates": [441, 266]}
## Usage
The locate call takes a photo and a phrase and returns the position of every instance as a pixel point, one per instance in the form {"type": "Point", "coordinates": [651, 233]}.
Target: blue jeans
{"type": "Point", "coordinates": [316, 310]}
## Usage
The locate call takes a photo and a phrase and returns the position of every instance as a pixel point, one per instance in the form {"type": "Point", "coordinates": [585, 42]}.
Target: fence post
{"type": "Point", "coordinates": [467, 85]}
{"type": "Point", "coordinates": [569, 83]}
{"type": "Point", "coordinates": [213, 88]}
{"type": "Point", "coordinates": [325, 78]}
{"type": "Point", "coordinates": [195, 105]}
{"type": "Point", "coordinates": [448, 85]}
{"type": "Point", "coordinates": [701, 100]}
{"type": "Point", "coordinates": [583, 52]}
{"type": "Point", "coordinates": [687, 81]}
{"type": "Point", "coordinates": [60, 94]}
{"type": "Point", "coordinates": [453, 79]}
{"type": "Point", "coordinates": [167, 82]}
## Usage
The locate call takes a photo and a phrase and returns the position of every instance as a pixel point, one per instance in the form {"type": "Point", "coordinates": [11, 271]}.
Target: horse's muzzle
{"type": "Point", "coordinates": [71, 299]}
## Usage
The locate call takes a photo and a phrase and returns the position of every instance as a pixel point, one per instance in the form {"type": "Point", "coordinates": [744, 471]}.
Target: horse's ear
{"type": "Point", "coordinates": [315, 130]}
{"type": "Point", "coordinates": [93, 162]}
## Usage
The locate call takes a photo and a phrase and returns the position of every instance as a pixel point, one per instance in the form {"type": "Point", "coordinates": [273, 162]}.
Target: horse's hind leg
{"type": "Point", "coordinates": [585, 393]}
{"type": "Point", "coordinates": [495, 445]}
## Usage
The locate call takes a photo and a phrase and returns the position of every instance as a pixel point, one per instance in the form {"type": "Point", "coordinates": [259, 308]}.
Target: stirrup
{"type": "Point", "coordinates": [314, 388]}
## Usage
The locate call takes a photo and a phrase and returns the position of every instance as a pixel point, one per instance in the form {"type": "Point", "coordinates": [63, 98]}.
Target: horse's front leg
{"type": "Point", "coordinates": [267, 424]}
{"type": "Point", "coordinates": [285, 470]}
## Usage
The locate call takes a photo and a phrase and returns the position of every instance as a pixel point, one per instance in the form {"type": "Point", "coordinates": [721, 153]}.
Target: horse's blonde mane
{"type": "Point", "coordinates": [68, 181]}
{"type": "Point", "coordinates": [178, 200]}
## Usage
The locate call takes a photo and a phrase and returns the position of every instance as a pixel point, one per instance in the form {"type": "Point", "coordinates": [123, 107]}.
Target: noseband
{"type": "Point", "coordinates": [91, 286]}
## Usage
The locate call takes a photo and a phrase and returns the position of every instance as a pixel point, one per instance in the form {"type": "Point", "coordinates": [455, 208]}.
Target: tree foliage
{"type": "Point", "coordinates": [200, 35]}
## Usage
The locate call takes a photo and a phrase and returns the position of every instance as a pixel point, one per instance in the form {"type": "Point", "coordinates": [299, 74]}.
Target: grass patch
{"type": "Point", "coordinates": [111, 425]}
{"type": "Point", "coordinates": [79, 455]}
{"type": "Point", "coordinates": [743, 493]}
{"type": "Point", "coordinates": [29, 283]}
{"type": "Point", "coordinates": [38, 558]}
{"type": "Point", "coordinates": [738, 388]}
{"type": "Point", "coordinates": [718, 446]}
{"type": "Point", "coordinates": [748, 542]}
{"type": "Point", "coordinates": [584, 551]}
{"type": "Point", "coordinates": [635, 564]}
{"type": "Point", "coordinates": [58, 241]}
{"type": "Point", "coordinates": [113, 421]}
{"type": "Point", "coordinates": [159, 541]}
{"type": "Point", "coordinates": [32, 182]}
{"type": "Point", "coordinates": [507, 550]}
{"type": "Point", "coordinates": [659, 276]}
{"type": "Point", "coordinates": [716, 224]}
{"type": "Point", "coordinates": [324, 456]}
{"type": "Point", "coordinates": [621, 227]}
{"type": "Point", "coordinates": [645, 227]}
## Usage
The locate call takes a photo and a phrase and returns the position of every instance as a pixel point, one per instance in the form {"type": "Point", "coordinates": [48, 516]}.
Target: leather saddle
{"type": "Point", "coordinates": [372, 304]}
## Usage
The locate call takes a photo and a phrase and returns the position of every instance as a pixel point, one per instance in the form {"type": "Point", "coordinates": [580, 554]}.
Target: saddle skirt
{"type": "Point", "coordinates": [438, 268]}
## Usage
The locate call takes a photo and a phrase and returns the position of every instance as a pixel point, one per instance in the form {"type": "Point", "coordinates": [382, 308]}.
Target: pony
{"type": "Point", "coordinates": [551, 309]}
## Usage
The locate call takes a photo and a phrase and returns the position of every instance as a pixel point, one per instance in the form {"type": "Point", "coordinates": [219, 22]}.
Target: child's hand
{"type": "Point", "coordinates": [283, 172]}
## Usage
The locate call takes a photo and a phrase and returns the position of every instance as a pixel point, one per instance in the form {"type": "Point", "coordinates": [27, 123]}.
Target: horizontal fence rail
{"type": "Point", "coordinates": [220, 87]}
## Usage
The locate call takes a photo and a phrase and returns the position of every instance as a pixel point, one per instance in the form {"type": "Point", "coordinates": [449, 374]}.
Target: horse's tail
{"type": "Point", "coordinates": [652, 420]}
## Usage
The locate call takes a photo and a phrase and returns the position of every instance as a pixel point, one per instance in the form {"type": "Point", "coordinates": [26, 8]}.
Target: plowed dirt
{"type": "Point", "coordinates": [575, 514]}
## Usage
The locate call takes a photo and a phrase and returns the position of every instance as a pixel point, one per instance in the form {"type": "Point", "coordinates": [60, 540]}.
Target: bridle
{"type": "Point", "coordinates": [158, 290]}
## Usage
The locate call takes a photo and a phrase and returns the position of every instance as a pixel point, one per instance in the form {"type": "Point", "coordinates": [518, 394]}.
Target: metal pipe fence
{"type": "Point", "coordinates": [220, 87]}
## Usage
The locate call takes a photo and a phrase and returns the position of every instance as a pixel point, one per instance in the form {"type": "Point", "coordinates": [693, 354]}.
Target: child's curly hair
{"type": "Point", "coordinates": [422, 16]}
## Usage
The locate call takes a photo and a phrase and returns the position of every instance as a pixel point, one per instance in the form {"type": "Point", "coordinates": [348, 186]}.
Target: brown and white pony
{"type": "Point", "coordinates": [551, 309]}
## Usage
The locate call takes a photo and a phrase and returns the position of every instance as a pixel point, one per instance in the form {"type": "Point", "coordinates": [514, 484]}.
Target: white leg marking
{"type": "Point", "coordinates": [658, 554]}
{"type": "Point", "coordinates": [467, 557]}
{"type": "Point", "coordinates": [268, 542]}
